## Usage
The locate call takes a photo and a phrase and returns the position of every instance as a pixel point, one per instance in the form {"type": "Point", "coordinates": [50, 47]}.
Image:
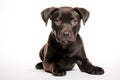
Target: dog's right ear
{"type": "Point", "coordinates": [47, 13]}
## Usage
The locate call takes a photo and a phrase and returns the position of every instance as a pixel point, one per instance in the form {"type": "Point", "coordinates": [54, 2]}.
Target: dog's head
{"type": "Point", "coordinates": [65, 22]}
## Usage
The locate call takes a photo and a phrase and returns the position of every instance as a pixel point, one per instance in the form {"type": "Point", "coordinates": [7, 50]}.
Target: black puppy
{"type": "Point", "coordinates": [65, 48]}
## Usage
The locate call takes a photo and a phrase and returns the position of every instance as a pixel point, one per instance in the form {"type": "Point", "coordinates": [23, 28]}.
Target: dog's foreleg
{"type": "Point", "coordinates": [86, 66]}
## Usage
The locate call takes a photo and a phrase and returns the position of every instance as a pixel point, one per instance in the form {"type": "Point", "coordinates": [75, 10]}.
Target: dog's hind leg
{"type": "Point", "coordinates": [39, 65]}
{"type": "Point", "coordinates": [41, 55]}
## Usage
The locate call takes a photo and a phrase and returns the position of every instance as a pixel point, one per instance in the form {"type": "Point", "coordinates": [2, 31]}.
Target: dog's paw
{"type": "Point", "coordinates": [94, 70]}
{"type": "Point", "coordinates": [59, 72]}
{"type": "Point", "coordinates": [39, 65]}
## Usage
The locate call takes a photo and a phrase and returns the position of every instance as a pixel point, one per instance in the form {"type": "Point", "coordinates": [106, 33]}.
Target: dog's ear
{"type": "Point", "coordinates": [84, 13]}
{"type": "Point", "coordinates": [46, 14]}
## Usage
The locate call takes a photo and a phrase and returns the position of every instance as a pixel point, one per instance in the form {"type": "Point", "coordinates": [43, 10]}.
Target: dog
{"type": "Point", "coordinates": [65, 47]}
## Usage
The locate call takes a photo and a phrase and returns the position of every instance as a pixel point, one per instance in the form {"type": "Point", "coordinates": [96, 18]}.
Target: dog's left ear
{"type": "Point", "coordinates": [46, 14]}
{"type": "Point", "coordinates": [84, 13]}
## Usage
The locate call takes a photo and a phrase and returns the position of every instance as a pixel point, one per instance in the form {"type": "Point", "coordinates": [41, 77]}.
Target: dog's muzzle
{"type": "Point", "coordinates": [66, 34]}
{"type": "Point", "coordinates": [65, 37]}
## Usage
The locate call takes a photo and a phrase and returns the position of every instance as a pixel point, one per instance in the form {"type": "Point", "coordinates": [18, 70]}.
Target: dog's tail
{"type": "Point", "coordinates": [39, 65]}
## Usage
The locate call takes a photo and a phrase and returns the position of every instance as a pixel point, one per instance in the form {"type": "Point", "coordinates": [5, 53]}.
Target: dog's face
{"type": "Point", "coordinates": [65, 25]}
{"type": "Point", "coordinates": [65, 22]}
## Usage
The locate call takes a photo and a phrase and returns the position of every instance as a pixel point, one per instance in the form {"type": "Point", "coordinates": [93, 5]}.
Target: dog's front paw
{"type": "Point", "coordinates": [59, 72]}
{"type": "Point", "coordinates": [94, 70]}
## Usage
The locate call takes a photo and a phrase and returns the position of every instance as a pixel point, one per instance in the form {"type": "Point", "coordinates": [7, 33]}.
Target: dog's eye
{"type": "Point", "coordinates": [58, 22]}
{"type": "Point", "coordinates": [74, 22]}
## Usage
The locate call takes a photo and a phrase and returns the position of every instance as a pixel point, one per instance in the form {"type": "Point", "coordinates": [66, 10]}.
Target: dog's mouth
{"type": "Point", "coordinates": [65, 41]}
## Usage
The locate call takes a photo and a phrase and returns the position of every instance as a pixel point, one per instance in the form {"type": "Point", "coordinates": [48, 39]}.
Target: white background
{"type": "Point", "coordinates": [23, 33]}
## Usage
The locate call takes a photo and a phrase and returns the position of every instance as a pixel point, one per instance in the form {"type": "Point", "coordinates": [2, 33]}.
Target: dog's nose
{"type": "Point", "coordinates": [66, 34]}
